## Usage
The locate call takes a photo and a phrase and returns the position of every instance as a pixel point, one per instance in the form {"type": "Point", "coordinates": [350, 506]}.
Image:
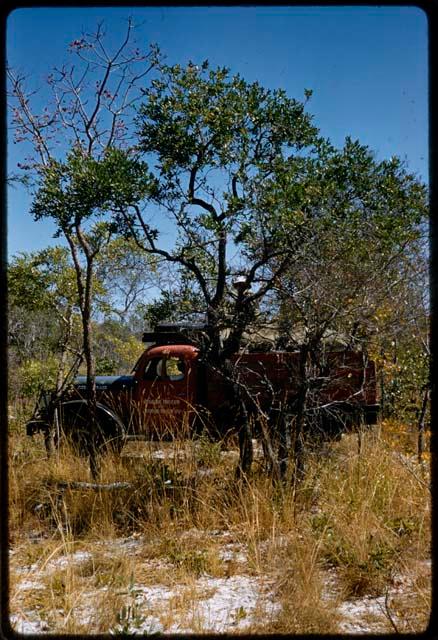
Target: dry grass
{"type": "Point", "coordinates": [360, 518]}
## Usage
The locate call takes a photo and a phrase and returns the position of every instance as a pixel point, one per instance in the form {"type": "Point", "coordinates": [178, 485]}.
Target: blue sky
{"type": "Point", "coordinates": [367, 67]}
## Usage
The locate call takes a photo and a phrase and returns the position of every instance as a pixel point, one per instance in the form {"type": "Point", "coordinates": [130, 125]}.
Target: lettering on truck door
{"type": "Point", "coordinates": [165, 393]}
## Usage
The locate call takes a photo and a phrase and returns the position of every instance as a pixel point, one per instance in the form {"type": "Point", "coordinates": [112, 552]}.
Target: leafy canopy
{"type": "Point", "coordinates": [43, 279]}
{"type": "Point", "coordinates": [84, 188]}
{"type": "Point", "coordinates": [216, 140]}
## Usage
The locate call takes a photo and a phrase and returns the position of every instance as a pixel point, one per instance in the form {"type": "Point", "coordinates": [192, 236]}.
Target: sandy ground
{"type": "Point", "coordinates": [211, 604]}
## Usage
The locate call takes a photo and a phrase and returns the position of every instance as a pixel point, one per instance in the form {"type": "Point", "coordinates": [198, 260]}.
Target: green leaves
{"type": "Point", "coordinates": [82, 187]}
{"type": "Point", "coordinates": [208, 117]}
{"type": "Point", "coordinates": [42, 279]}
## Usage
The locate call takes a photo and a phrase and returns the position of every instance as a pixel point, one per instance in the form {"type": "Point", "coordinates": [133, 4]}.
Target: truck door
{"type": "Point", "coordinates": [165, 395]}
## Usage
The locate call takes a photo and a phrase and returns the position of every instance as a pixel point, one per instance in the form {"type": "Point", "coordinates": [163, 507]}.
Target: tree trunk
{"type": "Point", "coordinates": [219, 356]}
{"type": "Point", "coordinates": [214, 351]}
{"type": "Point", "coordinates": [91, 372]}
{"type": "Point", "coordinates": [85, 287]}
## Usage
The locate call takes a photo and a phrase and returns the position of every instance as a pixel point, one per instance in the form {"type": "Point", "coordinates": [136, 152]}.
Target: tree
{"type": "Point", "coordinates": [354, 267]}
{"type": "Point", "coordinates": [91, 106]}
{"type": "Point", "coordinates": [42, 285]}
{"type": "Point", "coordinates": [75, 194]}
{"type": "Point", "coordinates": [215, 140]}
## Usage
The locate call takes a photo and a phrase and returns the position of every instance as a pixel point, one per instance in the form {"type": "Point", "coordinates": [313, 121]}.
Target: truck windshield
{"type": "Point", "coordinates": [172, 369]}
{"type": "Point", "coordinates": [153, 369]}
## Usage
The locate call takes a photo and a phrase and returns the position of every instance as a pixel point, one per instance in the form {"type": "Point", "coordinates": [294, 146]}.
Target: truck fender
{"type": "Point", "coordinates": [74, 421]}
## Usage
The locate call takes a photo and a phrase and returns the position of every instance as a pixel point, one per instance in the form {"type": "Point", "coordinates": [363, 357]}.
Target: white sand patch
{"type": "Point", "coordinates": [27, 585]}
{"type": "Point", "coordinates": [28, 623]}
{"type": "Point", "coordinates": [233, 552]}
{"type": "Point", "coordinates": [231, 606]}
{"type": "Point", "coordinates": [207, 604]}
{"type": "Point", "coordinates": [369, 614]}
{"type": "Point", "coordinates": [219, 605]}
{"type": "Point", "coordinates": [363, 615]}
{"type": "Point", "coordinates": [62, 562]}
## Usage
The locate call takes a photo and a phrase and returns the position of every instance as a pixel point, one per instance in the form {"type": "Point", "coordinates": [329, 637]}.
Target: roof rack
{"type": "Point", "coordinates": [176, 333]}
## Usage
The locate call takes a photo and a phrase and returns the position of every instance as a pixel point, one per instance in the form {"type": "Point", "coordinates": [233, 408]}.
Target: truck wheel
{"type": "Point", "coordinates": [76, 427]}
{"type": "Point", "coordinates": [111, 430]}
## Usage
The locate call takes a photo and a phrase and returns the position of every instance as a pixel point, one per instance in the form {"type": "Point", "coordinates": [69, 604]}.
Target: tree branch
{"type": "Point", "coordinates": [153, 249]}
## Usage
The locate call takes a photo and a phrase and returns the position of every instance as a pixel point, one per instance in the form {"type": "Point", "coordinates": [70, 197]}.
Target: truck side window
{"type": "Point", "coordinates": [175, 369]}
{"type": "Point", "coordinates": [153, 369]}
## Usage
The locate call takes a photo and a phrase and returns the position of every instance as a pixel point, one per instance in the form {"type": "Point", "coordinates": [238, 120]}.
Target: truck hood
{"type": "Point", "coordinates": [114, 383]}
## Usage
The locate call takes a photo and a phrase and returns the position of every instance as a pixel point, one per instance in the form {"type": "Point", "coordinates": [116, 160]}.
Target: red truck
{"type": "Point", "coordinates": [174, 393]}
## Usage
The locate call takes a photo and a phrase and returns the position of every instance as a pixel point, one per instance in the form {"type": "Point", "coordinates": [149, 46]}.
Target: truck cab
{"type": "Point", "coordinates": [165, 393]}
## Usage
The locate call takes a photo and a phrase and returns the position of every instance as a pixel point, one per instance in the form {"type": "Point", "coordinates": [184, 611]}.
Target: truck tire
{"type": "Point", "coordinates": [109, 434]}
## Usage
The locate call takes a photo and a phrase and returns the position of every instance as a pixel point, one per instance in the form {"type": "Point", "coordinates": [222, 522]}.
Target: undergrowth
{"type": "Point", "coordinates": [359, 514]}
